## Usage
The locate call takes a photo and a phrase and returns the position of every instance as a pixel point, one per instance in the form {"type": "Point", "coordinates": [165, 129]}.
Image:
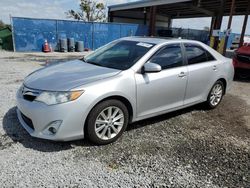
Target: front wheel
{"type": "Point", "coordinates": [215, 95]}
{"type": "Point", "coordinates": [107, 121]}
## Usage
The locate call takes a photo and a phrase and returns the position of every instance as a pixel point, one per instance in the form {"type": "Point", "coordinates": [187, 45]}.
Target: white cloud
{"type": "Point", "coordinates": [42, 8]}
{"type": "Point", "coordinates": [34, 9]}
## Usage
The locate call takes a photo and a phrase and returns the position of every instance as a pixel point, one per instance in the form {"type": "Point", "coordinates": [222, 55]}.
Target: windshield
{"type": "Point", "coordinates": [119, 55]}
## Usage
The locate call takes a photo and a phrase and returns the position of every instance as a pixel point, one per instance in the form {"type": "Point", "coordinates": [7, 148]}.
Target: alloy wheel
{"type": "Point", "coordinates": [109, 123]}
{"type": "Point", "coordinates": [216, 94]}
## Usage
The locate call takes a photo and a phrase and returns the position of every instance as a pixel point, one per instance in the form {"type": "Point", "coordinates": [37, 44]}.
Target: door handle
{"type": "Point", "coordinates": [215, 67]}
{"type": "Point", "coordinates": [182, 74]}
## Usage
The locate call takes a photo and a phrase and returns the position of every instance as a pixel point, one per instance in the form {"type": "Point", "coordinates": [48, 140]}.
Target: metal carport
{"type": "Point", "coordinates": [148, 11]}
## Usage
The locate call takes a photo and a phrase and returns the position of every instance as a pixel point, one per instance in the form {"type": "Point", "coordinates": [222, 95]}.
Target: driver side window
{"type": "Point", "coordinates": [168, 57]}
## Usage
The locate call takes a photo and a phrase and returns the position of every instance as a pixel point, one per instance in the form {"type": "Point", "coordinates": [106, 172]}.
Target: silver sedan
{"type": "Point", "coordinates": [127, 80]}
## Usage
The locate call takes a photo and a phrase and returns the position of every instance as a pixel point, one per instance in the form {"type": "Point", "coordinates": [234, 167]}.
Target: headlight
{"type": "Point", "coordinates": [51, 98]}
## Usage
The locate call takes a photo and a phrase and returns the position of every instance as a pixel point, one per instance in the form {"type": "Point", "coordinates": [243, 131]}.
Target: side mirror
{"type": "Point", "coordinates": [151, 67]}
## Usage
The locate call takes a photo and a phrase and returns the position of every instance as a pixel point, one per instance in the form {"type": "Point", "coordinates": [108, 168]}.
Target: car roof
{"type": "Point", "coordinates": [159, 41]}
{"type": "Point", "coordinates": [156, 40]}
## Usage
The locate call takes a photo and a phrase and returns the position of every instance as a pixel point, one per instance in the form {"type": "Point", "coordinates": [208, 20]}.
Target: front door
{"type": "Point", "coordinates": [165, 90]}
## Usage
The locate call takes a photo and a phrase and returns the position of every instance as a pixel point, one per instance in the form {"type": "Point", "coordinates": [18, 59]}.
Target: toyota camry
{"type": "Point", "coordinates": [125, 81]}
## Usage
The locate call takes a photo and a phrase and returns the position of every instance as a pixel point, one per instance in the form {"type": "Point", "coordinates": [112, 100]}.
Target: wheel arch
{"type": "Point", "coordinates": [123, 99]}
{"type": "Point", "coordinates": [223, 80]}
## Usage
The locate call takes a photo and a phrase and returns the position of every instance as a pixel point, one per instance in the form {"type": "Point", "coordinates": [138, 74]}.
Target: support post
{"type": "Point", "coordinates": [244, 25]}
{"type": "Point", "coordinates": [211, 27]}
{"type": "Point", "coordinates": [243, 30]}
{"type": "Point", "coordinates": [217, 26]}
{"type": "Point", "coordinates": [152, 20]}
{"type": "Point", "coordinates": [169, 22]}
{"type": "Point", "coordinates": [111, 18]}
{"type": "Point", "coordinates": [229, 25]}
{"type": "Point", "coordinates": [218, 22]}
{"type": "Point", "coordinates": [145, 16]}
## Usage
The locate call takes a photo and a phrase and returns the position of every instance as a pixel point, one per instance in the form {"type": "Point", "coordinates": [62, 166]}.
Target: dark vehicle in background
{"type": "Point", "coordinates": [241, 62]}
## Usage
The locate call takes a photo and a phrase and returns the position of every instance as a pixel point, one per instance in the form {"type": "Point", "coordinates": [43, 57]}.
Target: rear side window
{"type": "Point", "coordinates": [196, 54]}
{"type": "Point", "coordinates": [169, 56]}
{"type": "Point", "coordinates": [210, 57]}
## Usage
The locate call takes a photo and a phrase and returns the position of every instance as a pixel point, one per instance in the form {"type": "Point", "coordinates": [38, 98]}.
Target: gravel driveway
{"type": "Point", "coordinates": [188, 148]}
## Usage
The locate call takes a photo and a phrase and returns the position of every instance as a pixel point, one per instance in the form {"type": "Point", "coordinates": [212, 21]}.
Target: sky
{"type": "Point", "coordinates": [56, 9]}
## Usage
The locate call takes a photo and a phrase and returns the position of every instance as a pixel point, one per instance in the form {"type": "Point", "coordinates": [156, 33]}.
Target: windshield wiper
{"type": "Point", "coordinates": [90, 62]}
{"type": "Point", "coordinates": [83, 59]}
{"type": "Point", "coordinates": [93, 63]}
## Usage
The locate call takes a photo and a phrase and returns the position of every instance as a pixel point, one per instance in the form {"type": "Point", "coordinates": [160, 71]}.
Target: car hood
{"type": "Point", "coordinates": [244, 50]}
{"type": "Point", "coordinates": [66, 76]}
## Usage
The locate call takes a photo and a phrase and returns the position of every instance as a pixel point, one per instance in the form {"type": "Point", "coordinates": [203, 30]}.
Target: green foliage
{"type": "Point", "coordinates": [90, 10]}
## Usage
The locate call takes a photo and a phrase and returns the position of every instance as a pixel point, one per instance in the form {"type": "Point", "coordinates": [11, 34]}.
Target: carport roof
{"type": "Point", "coordinates": [185, 8]}
{"type": "Point", "coordinates": [145, 3]}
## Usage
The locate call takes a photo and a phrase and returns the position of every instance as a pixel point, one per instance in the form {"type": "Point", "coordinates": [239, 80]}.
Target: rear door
{"type": "Point", "coordinates": [202, 69]}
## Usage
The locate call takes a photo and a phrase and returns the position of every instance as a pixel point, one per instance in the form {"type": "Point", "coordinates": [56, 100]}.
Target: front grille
{"type": "Point", "coordinates": [243, 58]}
{"type": "Point", "coordinates": [28, 121]}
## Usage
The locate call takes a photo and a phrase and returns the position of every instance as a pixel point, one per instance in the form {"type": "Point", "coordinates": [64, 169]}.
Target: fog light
{"type": "Point", "coordinates": [53, 127]}
{"type": "Point", "coordinates": [52, 130]}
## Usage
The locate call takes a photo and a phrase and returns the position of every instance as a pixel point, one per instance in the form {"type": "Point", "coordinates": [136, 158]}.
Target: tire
{"type": "Point", "coordinates": [243, 74]}
{"type": "Point", "coordinates": [103, 128]}
{"type": "Point", "coordinates": [215, 95]}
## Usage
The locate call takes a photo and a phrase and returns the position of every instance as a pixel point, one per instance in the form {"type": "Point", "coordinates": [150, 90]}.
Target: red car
{"type": "Point", "coordinates": [241, 61]}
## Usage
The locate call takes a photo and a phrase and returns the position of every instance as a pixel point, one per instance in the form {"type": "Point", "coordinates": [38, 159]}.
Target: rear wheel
{"type": "Point", "coordinates": [215, 95]}
{"type": "Point", "coordinates": [107, 121]}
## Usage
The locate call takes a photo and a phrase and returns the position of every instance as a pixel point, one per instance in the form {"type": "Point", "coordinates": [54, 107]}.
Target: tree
{"type": "Point", "coordinates": [90, 10]}
{"type": "Point", "coordinates": [2, 24]}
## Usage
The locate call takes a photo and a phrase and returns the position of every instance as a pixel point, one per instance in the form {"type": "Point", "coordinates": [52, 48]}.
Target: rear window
{"type": "Point", "coordinates": [196, 54]}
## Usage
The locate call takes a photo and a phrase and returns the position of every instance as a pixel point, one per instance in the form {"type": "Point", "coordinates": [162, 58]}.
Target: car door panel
{"type": "Point", "coordinates": [200, 80]}
{"type": "Point", "coordinates": [161, 91]}
{"type": "Point", "coordinates": [203, 71]}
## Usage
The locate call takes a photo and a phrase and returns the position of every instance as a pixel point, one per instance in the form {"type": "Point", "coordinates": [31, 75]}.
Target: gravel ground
{"type": "Point", "coordinates": [188, 148]}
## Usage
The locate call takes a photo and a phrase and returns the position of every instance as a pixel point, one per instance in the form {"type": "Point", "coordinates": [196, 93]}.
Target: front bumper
{"type": "Point", "coordinates": [72, 116]}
